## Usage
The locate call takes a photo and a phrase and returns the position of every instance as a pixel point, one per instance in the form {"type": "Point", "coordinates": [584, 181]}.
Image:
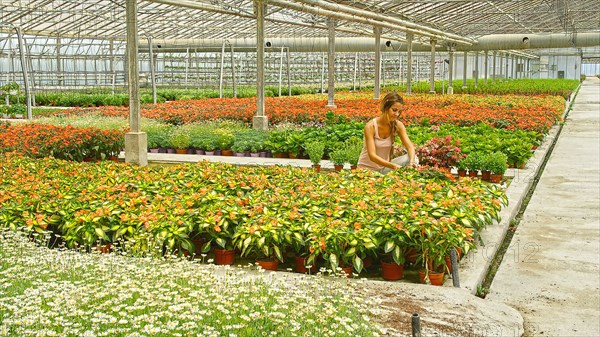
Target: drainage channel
{"type": "Point", "coordinates": [484, 288]}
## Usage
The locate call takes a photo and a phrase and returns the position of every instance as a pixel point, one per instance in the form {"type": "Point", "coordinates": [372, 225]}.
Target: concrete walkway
{"type": "Point", "coordinates": [551, 271]}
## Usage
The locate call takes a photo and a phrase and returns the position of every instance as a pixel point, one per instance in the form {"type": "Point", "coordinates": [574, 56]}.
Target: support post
{"type": "Point", "coordinates": [111, 48]}
{"type": "Point", "coordinates": [494, 55]}
{"type": "Point", "coordinates": [220, 71]}
{"type": "Point", "coordinates": [416, 325]}
{"type": "Point", "coordinates": [260, 121]}
{"type": "Point", "coordinates": [232, 71]}
{"type": "Point", "coordinates": [24, 70]}
{"type": "Point", "coordinates": [152, 70]}
{"type": "Point", "coordinates": [355, 68]}
{"type": "Point", "coordinates": [59, 67]}
{"type": "Point", "coordinates": [501, 67]}
{"type": "Point", "coordinates": [409, 39]}
{"type": "Point", "coordinates": [476, 71]}
{"type": "Point", "coordinates": [288, 73]}
{"type": "Point", "coordinates": [187, 66]}
{"type": "Point", "coordinates": [454, 263]}
{"type": "Point", "coordinates": [464, 86]}
{"type": "Point", "coordinates": [485, 67]}
{"type": "Point", "coordinates": [280, 70]}
{"type": "Point", "coordinates": [136, 141]}
{"type": "Point", "coordinates": [331, 63]}
{"type": "Point", "coordinates": [377, 87]}
{"type": "Point", "coordinates": [450, 70]}
{"type": "Point", "coordinates": [432, 68]}
{"type": "Point", "coordinates": [322, 72]}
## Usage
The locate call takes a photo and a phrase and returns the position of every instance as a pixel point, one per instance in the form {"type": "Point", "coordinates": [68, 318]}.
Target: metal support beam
{"type": "Point", "coordinates": [494, 56]}
{"type": "Point", "coordinates": [281, 55]}
{"type": "Point", "coordinates": [233, 71]}
{"type": "Point", "coordinates": [485, 67]}
{"type": "Point", "coordinates": [24, 70]}
{"type": "Point", "coordinates": [464, 86]}
{"type": "Point", "coordinates": [432, 68]}
{"type": "Point", "coordinates": [476, 71]}
{"type": "Point", "coordinates": [377, 87]}
{"type": "Point", "coordinates": [501, 66]}
{"type": "Point", "coordinates": [288, 72]}
{"type": "Point", "coordinates": [409, 38]}
{"type": "Point", "coordinates": [152, 71]}
{"type": "Point", "coordinates": [59, 66]}
{"type": "Point", "coordinates": [220, 71]}
{"type": "Point", "coordinates": [450, 70]}
{"type": "Point", "coordinates": [331, 64]}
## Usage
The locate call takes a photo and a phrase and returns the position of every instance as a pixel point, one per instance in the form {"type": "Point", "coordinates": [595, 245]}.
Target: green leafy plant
{"type": "Point", "coordinates": [354, 147]}
{"type": "Point", "coordinates": [339, 155]}
{"type": "Point", "coordinates": [315, 150]}
{"type": "Point", "coordinates": [10, 87]}
{"type": "Point", "coordinates": [497, 162]}
{"type": "Point", "coordinates": [180, 139]}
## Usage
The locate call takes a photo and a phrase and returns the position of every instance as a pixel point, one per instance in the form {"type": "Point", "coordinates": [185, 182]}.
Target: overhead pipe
{"type": "Point", "coordinates": [365, 44]}
{"type": "Point", "coordinates": [302, 7]}
{"type": "Point", "coordinates": [406, 26]}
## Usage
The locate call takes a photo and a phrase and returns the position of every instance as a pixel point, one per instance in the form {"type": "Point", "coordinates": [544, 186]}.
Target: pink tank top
{"type": "Point", "coordinates": [383, 147]}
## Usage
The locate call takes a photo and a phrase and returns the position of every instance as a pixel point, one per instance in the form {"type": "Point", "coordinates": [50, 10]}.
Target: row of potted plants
{"type": "Point", "coordinates": [263, 211]}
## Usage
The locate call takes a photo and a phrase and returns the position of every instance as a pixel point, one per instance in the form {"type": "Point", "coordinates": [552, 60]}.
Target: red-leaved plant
{"type": "Point", "coordinates": [440, 152]}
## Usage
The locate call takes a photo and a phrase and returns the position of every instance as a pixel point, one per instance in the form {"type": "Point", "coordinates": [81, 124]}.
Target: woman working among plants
{"type": "Point", "coordinates": [379, 137]}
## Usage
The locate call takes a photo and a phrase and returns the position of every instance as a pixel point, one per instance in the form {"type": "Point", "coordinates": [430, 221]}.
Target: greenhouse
{"type": "Point", "coordinates": [221, 168]}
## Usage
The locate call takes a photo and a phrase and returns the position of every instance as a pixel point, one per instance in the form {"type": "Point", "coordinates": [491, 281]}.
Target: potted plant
{"type": "Point", "coordinates": [338, 156]}
{"type": "Point", "coordinates": [294, 143]}
{"type": "Point", "coordinates": [277, 143]}
{"type": "Point", "coordinates": [461, 167]}
{"type": "Point", "coordinates": [484, 166]}
{"type": "Point", "coordinates": [473, 163]}
{"type": "Point", "coordinates": [441, 152]}
{"type": "Point", "coordinates": [181, 140]}
{"type": "Point", "coordinates": [219, 226]}
{"type": "Point", "coordinates": [315, 150]}
{"type": "Point", "coordinates": [341, 246]}
{"type": "Point", "coordinates": [354, 147]}
{"type": "Point", "coordinates": [394, 239]}
{"type": "Point", "coordinates": [497, 165]}
{"type": "Point", "coordinates": [224, 139]}
{"type": "Point", "coordinates": [262, 239]}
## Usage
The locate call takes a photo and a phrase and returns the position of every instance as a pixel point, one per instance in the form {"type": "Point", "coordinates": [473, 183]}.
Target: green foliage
{"type": "Point", "coordinates": [315, 150]}
{"type": "Point", "coordinates": [354, 146]}
{"type": "Point", "coordinates": [497, 162]}
{"type": "Point", "coordinates": [339, 155]}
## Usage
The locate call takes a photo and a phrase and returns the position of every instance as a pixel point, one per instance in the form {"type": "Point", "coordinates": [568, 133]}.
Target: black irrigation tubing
{"type": "Point", "coordinates": [514, 223]}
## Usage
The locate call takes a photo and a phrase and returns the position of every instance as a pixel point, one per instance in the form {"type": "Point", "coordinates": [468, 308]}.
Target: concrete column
{"type": "Point", "coordinates": [507, 74]}
{"type": "Point", "coordinates": [331, 63]}
{"type": "Point", "coordinates": [24, 70]}
{"type": "Point", "coordinates": [409, 38]}
{"type": "Point", "coordinates": [485, 67]}
{"type": "Point", "coordinates": [260, 121]}
{"type": "Point", "coordinates": [513, 69]}
{"type": "Point", "coordinates": [432, 68]}
{"type": "Point", "coordinates": [464, 86]}
{"type": "Point", "coordinates": [450, 70]}
{"type": "Point", "coordinates": [476, 71]}
{"type": "Point", "coordinates": [322, 72]}
{"type": "Point", "coordinates": [152, 70]}
{"type": "Point", "coordinates": [136, 142]}
{"type": "Point", "coordinates": [377, 87]}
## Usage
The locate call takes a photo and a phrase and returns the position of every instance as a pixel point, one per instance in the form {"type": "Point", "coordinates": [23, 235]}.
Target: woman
{"type": "Point", "coordinates": [379, 138]}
